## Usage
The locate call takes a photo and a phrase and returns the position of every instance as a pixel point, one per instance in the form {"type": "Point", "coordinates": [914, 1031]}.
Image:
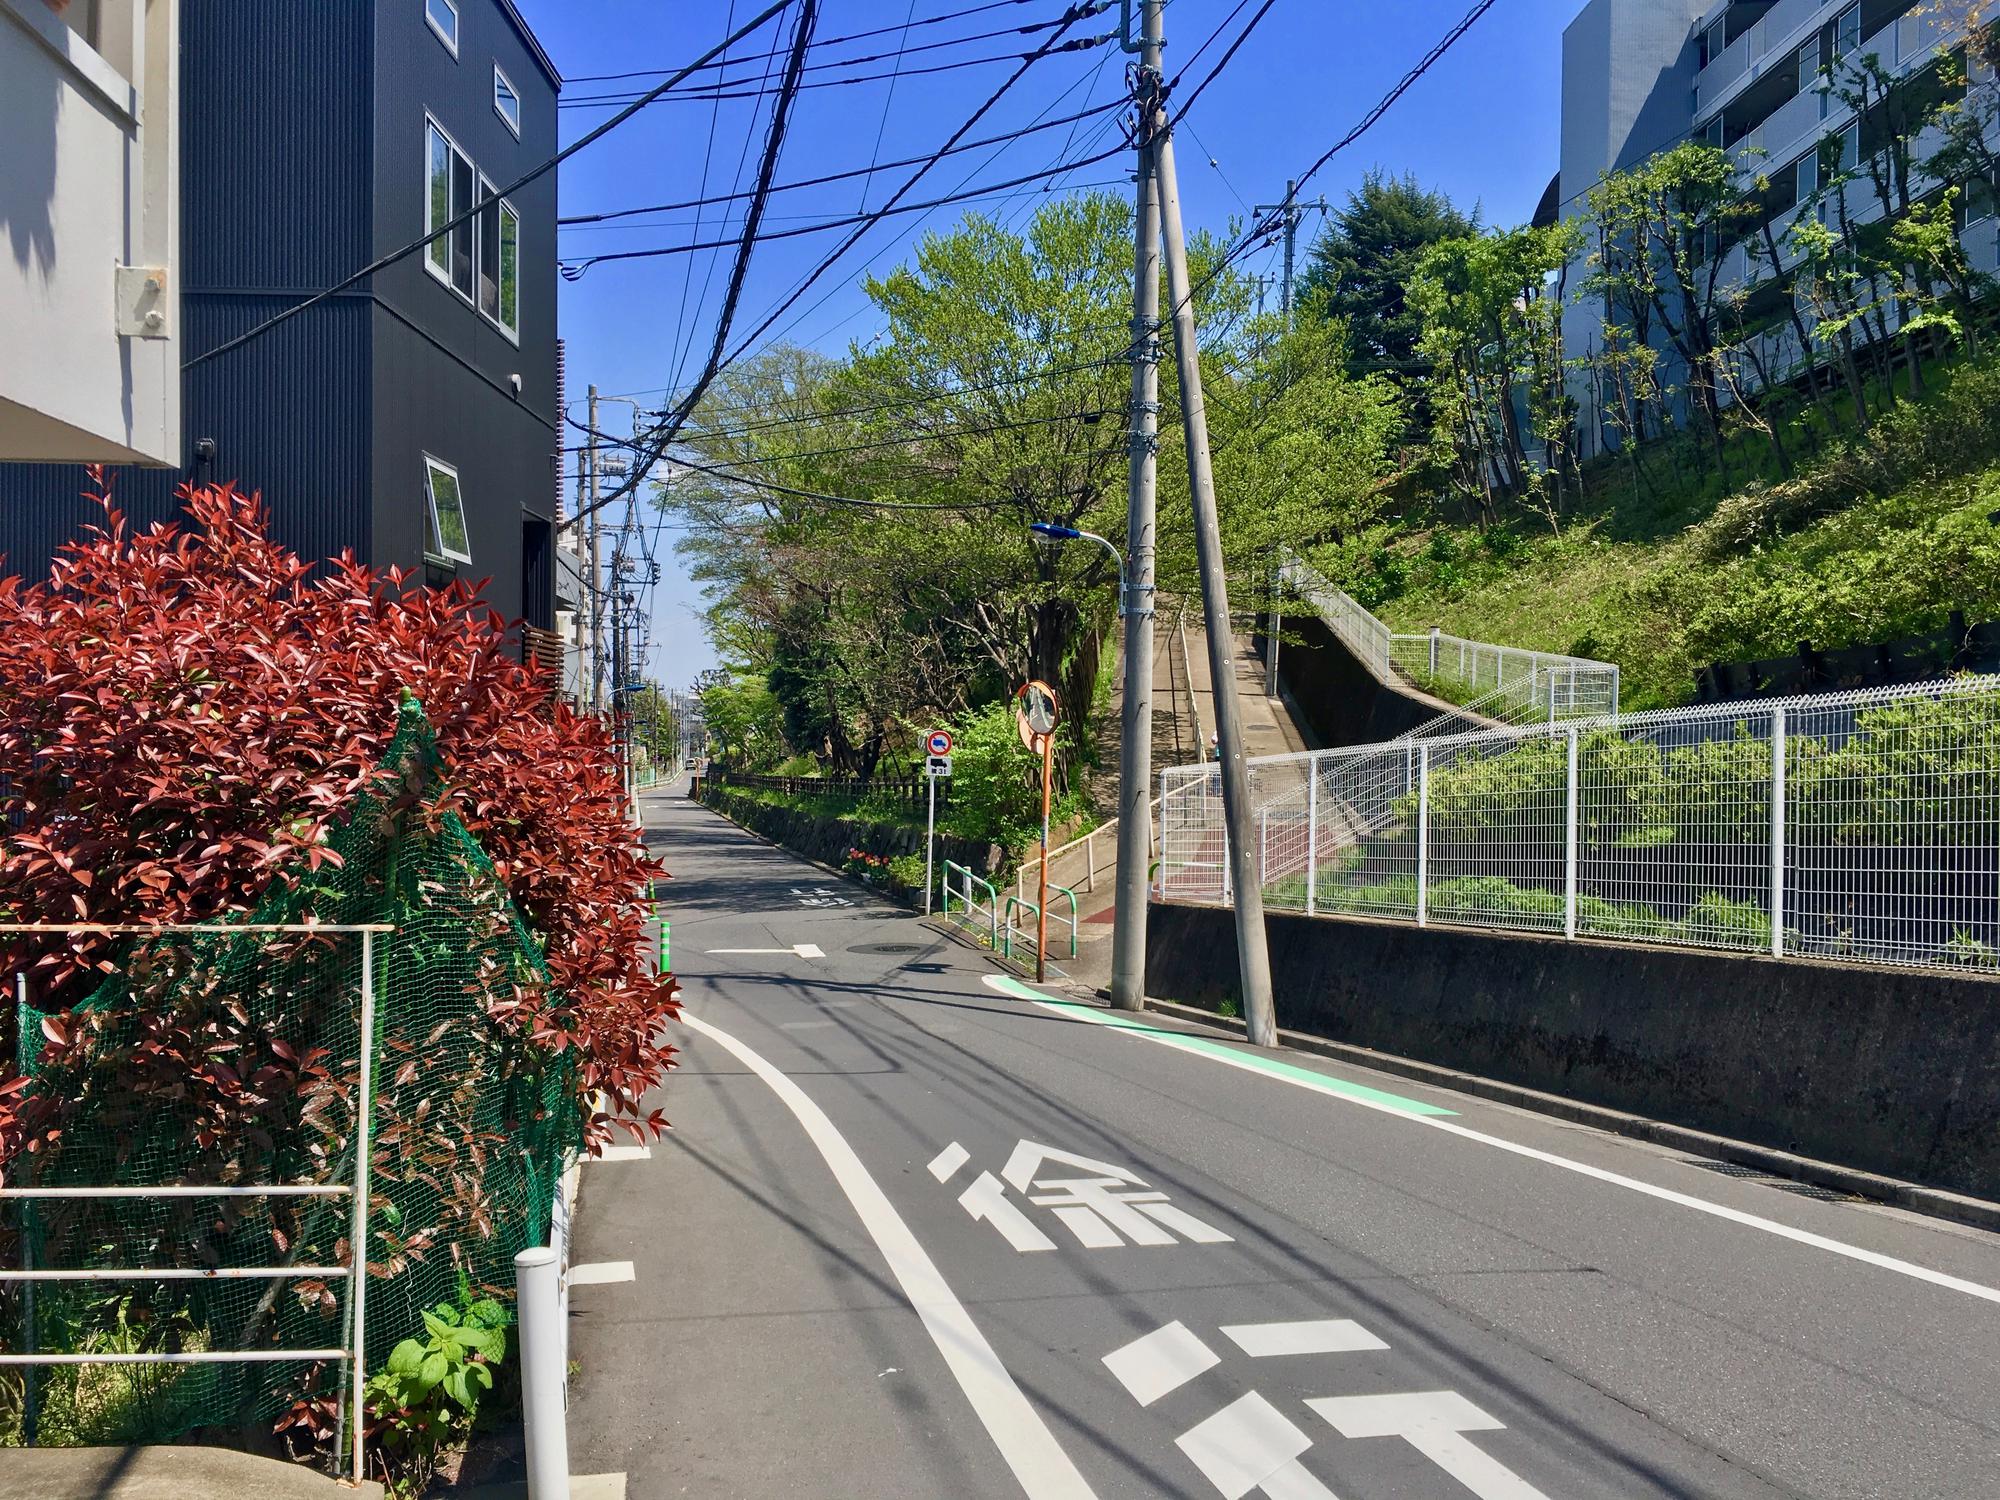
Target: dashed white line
{"type": "Point", "coordinates": [601, 1273]}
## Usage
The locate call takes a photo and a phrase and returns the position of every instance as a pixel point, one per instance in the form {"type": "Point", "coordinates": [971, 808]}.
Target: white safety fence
{"type": "Point", "coordinates": [1862, 826]}
{"type": "Point", "coordinates": [343, 1180]}
{"type": "Point", "coordinates": [1504, 682]}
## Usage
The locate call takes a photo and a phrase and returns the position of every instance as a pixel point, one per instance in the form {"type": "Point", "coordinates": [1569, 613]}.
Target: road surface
{"type": "Point", "coordinates": [918, 1233]}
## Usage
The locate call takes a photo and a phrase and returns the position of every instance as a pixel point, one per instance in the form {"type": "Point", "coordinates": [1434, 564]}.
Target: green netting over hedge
{"type": "Point", "coordinates": [470, 1130]}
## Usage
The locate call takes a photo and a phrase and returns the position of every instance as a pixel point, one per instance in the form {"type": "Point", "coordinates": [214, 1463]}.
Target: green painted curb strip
{"type": "Point", "coordinates": [1240, 1057]}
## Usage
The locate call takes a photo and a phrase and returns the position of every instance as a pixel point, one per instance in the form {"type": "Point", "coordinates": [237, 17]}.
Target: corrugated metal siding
{"type": "Point", "coordinates": [276, 165]}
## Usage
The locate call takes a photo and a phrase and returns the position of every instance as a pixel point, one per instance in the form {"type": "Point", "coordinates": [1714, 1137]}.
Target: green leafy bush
{"type": "Point", "coordinates": [427, 1396]}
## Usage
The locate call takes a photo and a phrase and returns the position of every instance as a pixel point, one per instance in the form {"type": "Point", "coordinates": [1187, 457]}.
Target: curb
{"type": "Point", "coordinates": [1934, 1202]}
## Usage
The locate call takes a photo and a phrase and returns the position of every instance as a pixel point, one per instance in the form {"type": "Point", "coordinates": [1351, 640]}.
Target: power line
{"type": "Point", "coordinates": [574, 269]}
{"type": "Point", "coordinates": [588, 138]}
{"type": "Point", "coordinates": [1080, 44]}
{"type": "Point", "coordinates": [832, 41]}
{"type": "Point", "coordinates": [846, 176]}
{"type": "Point", "coordinates": [788, 92]}
{"type": "Point", "coordinates": [1088, 418]}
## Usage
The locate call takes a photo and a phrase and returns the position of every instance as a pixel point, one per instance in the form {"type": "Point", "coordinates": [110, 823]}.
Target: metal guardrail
{"type": "Point", "coordinates": [1861, 826]}
{"type": "Point", "coordinates": [1015, 903]}
{"type": "Point", "coordinates": [963, 890]}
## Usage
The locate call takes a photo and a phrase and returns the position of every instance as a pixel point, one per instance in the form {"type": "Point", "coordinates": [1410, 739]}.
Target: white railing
{"type": "Point", "coordinates": [353, 1350]}
{"type": "Point", "coordinates": [1518, 684]}
{"type": "Point", "coordinates": [1860, 826]}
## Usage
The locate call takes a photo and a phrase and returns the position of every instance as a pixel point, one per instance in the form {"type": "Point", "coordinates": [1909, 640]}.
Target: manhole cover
{"type": "Point", "coordinates": [1728, 1168]}
{"type": "Point", "coordinates": [887, 948]}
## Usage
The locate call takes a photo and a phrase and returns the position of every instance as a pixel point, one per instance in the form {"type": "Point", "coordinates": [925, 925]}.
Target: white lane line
{"type": "Point", "coordinates": [1582, 1169]}
{"type": "Point", "coordinates": [797, 950]}
{"type": "Point", "coordinates": [949, 1161]}
{"type": "Point", "coordinates": [601, 1273]}
{"type": "Point", "coordinates": [1164, 1360]}
{"type": "Point", "coordinates": [622, 1153]}
{"type": "Point", "coordinates": [1038, 1461]}
{"type": "Point", "coordinates": [1322, 1336]}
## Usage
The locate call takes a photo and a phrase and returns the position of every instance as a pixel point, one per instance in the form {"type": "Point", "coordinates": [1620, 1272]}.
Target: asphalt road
{"type": "Point", "coordinates": [857, 1270]}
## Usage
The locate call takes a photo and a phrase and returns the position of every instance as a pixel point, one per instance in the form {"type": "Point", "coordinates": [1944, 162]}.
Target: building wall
{"type": "Point", "coordinates": [444, 374]}
{"type": "Point", "coordinates": [88, 167]}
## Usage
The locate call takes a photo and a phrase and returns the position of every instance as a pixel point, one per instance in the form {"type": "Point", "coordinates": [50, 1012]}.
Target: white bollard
{"type": "Point", "coordinates": [538, 1306]}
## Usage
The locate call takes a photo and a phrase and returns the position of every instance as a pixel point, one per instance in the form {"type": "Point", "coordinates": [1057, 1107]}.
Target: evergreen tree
{"type": "Point", "coordinates": [1361, 267]}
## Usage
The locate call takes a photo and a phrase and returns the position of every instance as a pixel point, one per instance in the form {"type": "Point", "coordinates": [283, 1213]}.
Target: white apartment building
{"type": "Point", "coordinates": [1751, 77]}
{"type": "Point", "coordinates": [89, 201]}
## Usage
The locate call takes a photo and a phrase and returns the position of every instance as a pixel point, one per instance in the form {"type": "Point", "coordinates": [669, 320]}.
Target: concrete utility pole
{"type": "Point", "coordinates": [1253, 957]}
{"type": "Point", "coordinates": [596, 572]}
{"type": "Point", "coordinates": [1294, 213]}
{"type": "Point", "coordinates": [1135, 755]}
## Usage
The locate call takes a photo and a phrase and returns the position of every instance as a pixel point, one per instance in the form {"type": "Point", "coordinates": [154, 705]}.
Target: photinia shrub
{"type": "Point", "coordinates": [186, 714]}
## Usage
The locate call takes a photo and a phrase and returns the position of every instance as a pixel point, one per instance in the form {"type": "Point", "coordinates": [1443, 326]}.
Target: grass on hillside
{"type": "Point", "coordinates": [1878, 537]}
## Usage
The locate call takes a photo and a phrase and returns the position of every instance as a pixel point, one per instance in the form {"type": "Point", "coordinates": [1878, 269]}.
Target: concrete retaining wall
{"type": "Point", "coordinates": [1889, 1070]}
{"type": "Point", "coordinates": [1334, 697]}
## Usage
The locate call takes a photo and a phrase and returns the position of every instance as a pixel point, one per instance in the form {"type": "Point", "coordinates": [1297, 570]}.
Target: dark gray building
{"type": "Point", "coordinates": [412, 419]}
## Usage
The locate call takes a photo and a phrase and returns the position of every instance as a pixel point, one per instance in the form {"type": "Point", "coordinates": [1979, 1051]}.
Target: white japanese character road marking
{"type": "Point", "coordinates": [1164, 1360]}
{"type": "Point", "coordinates": [1434, 1423]}
{"type": "Point", "coordinates": [987, 1199]}
{"type": "Point", "coordinates": [949, 1161]}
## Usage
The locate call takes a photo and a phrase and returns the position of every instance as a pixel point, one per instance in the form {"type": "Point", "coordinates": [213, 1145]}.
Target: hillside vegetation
{"type": "Point", "coordinates": [1879, 536]}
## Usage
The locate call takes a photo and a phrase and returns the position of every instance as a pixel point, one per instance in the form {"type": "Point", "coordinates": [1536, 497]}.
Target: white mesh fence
{"type": "Point", "coordinates": [1502, 683]}
{"type": "Point", "coordinates": [1859, 826]}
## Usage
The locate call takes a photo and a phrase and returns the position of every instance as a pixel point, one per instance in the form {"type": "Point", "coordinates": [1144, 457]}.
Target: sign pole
{"type": "Point", "coordinates": [930, 841]}
{"type": "Point", "coordinates": [1042, 895]}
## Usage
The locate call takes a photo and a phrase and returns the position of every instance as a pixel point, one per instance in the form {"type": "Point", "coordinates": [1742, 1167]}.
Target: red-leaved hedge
{"type": "Point", "coordinates": [187, 713]}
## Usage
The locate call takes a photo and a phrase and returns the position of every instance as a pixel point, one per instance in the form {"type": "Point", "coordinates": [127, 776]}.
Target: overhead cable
{"type": "Point", "coordinates": [588, 138]}
{"type": "Point", "coordinates": [781, 113]}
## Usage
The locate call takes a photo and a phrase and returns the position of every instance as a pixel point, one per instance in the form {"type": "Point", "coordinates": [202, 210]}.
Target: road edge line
{"type": "Point", "coordinates": [1039, 1463]}
{"type": "Point", "coordinates": [1248, 1062]}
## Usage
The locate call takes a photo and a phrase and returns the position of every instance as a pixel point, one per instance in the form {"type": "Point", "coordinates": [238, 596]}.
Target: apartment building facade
{"type": "Point", "coordinates": [1759, 79]}
{"type": "Point", "coordinates": [89, 246]}
{"type": "Point", "coordinates": [413, 418]}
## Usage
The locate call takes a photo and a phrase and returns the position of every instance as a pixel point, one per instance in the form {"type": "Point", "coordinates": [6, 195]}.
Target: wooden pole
{"type": "Point", "coordinates": [1042, 896]}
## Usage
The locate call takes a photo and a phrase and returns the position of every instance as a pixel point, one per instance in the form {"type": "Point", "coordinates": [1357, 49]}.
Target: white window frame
{"type": "Point", "coordinates": [443, 273]}
{"type": "Point", "coordinates": [449, 38]}
{"type": "Point", "coordinates": [432, 465]}
{"type": "Point", "coordinates": [502, 81]}
{"type": "Point", "coordinates": [482, 189]}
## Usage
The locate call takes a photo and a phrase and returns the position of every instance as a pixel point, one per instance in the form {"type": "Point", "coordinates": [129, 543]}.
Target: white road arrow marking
{"type": "Point", "coordinates": [1251, 1445]}
{"type": "Point", "coordinates": [1324, 1336]}
{"type": "Point", "coordinates": [1434, 1423]}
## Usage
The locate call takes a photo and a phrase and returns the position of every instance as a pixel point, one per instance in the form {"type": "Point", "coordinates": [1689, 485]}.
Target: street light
{"type": "Point", "coordinates": [1128, 607]}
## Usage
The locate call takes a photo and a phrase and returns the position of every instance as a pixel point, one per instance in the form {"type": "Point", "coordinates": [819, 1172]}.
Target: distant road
{"type": "Point", "coordinates": [918, 1234]}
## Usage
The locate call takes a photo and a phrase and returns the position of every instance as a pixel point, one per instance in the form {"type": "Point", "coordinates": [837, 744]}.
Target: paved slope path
{"type": "Point", "coordinates": [918, 1234]}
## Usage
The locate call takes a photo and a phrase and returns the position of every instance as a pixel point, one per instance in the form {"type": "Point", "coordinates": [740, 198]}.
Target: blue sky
{"type": "Point", "coordinates": [1483, 126]}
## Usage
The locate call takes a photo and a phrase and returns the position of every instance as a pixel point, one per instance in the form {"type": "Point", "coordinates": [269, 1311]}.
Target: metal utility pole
{"type": "Point", "coordinates": [1293, 213]}
{"type": "Point", "coordinates": [1135, 754]}
{"type": "Point", "coordinates": [1253, 957]}
{"type": "Point", "coordinates": [596, 571]}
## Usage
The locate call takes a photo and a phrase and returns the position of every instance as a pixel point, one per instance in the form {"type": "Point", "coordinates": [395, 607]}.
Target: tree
{"type": "Point", "coordinates": [1361, 267]}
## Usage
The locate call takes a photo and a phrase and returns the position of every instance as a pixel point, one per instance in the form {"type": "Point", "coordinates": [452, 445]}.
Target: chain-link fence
{"type": "Point", "coordinates": [211, 1062]}
{"type": "Point", "coordinates": [1860, 826]}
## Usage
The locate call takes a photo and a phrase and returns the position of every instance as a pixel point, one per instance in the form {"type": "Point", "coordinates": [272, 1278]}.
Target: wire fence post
{"type": "Point", "coordinates": [1312, 837]}
{"type": "Point", "coordinates": [1569, 845]}
{"type": "Point", "coordinates": [357, 1239]}
{"type": "Point", "coordinates": [1778, 832]}
{"type": "Point", "coordinates": [1163, 835]}
{"type": "Point", "coordinates": [30, 1385]}
{"type": "Point", "coordinates": [1264, 846]}
{"type": "Point", "coordinates": [1423, 835]}
{"type": "Point", "coordinates": [1434, 650]}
